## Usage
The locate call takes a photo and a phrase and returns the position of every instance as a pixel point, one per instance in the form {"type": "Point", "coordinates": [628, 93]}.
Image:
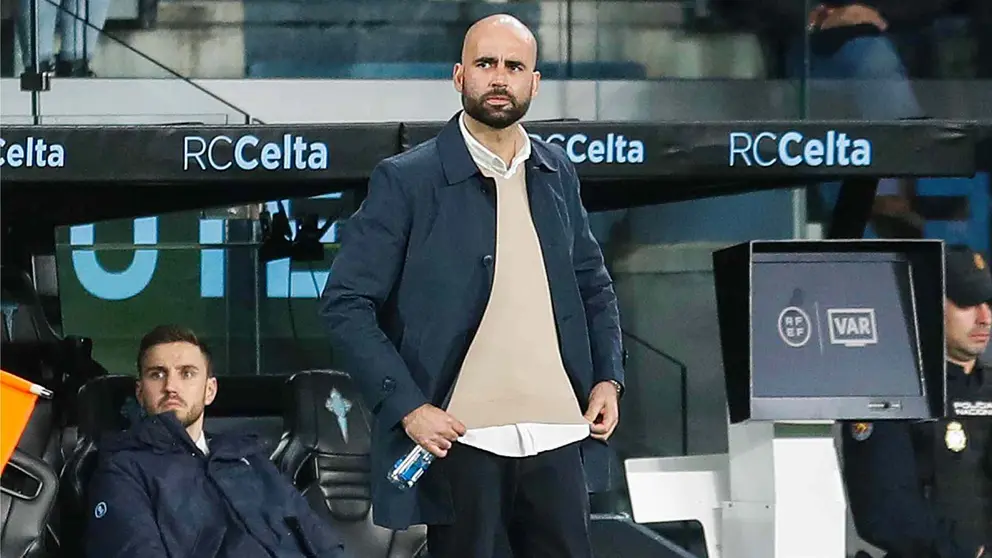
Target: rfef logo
{"type": "Point", "coordinates": [794, 326]}
{"type": "Point", "coordinates": [852, 327]}
{"type": "Point", "coordinates": [248, 153]}
{"type": "Point", "coordinates": [614, 148]}
{"type": "Point", "coordinates": [792, 149]}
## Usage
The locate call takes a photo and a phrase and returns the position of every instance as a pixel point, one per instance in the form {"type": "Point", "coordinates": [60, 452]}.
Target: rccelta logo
{"type": "Point", "coordinates": [615, 148]}
{"type": "Point", "coordinates": [249, 153]}
{"type": "Point", "coordinates": [33, 152]}
{"type": "Point", "coordinates": [793, 149]}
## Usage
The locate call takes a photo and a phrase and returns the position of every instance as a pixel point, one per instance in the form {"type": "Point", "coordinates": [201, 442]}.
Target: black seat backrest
{"type": "Point", "coordinates": [26, 318]}
{"type": "Point", "coordinates": [325, 450]}
{"type": "Point", "coordinates": [106, 404]}
{"type": "Point", "coordinates": [248, 404]}
{"type": "Point", "coordinates": [34, 351]}
{"type": "Point", "coordinates": [28, 488]}
{"type": "Point", "coordinates": [103, 405]}
{"type": "Point", "coordinates": [31, 351]}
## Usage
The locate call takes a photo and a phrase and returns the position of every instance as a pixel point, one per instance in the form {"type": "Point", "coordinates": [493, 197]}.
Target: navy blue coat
{"type": "Point", "coordinates": [410, 283]}
{"type": "Point", "coordinates": [155, 495]}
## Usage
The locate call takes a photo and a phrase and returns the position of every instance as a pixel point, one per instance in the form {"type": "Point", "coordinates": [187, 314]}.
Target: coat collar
{"type": "Point", "coordinates": [457, 162]}
{"type": "Point", "coordinates": [163, 433]}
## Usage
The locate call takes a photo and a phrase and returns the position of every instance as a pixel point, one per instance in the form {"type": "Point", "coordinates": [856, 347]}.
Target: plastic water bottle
{"type": "Point", "coordinates": [409, 468]}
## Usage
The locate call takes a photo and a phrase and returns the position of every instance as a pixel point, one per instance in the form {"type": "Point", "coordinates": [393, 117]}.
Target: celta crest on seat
{"type": "Point", "coordinates": [325, 451]}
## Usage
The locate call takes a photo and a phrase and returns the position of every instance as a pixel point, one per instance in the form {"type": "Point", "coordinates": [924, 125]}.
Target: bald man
{"type": "Point", "coordinates": [470, 303]}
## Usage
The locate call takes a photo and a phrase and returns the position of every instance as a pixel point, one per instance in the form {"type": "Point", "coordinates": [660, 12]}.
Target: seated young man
{"type": "Point", "coordinates": [168, 488]}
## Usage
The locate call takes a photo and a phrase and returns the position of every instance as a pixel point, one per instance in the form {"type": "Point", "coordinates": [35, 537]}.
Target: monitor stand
{"type": "Point", "coordinates": [787, 497]}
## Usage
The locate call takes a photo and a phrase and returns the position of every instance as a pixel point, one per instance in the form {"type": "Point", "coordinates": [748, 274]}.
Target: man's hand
{"type": "Point", "coordinates": [604, 410]}
{"type": "Point", "coordinates": [433, 429]}
{"type": "Point", "coordinates": [826, 17]}
{"type": "Point", "coordinates": [981, 552]}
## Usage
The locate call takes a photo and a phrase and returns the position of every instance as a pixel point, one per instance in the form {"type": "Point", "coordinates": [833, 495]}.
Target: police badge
{"type": "Point", "coordinates": [955, 438]}
{"type": "Point", "coordinates": [860, 431]}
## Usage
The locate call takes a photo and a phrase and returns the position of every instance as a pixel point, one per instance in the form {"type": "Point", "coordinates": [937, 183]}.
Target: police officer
{"type": "Point", "coordinates": [924, 489]}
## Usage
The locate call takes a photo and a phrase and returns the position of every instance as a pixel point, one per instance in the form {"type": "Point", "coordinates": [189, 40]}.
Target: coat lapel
{"type": "Point", "coordinates": [551, 221]}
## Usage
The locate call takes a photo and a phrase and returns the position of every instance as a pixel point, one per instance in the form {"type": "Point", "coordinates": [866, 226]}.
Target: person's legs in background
{"type": "Point", "coordinates": [80, 35]}
{"type": "Point", "coordinates": [48, 13]}
{"type": "Point", "coordinates": [868, 71]}
{"type": "Point", "coordinates": [882, 88]}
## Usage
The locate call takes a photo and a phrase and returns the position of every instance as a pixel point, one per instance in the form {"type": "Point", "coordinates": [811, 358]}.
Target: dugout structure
{"type": "Point", "coordinates": [56, 175]}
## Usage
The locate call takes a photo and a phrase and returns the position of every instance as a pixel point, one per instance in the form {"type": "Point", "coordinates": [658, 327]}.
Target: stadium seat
{"type": "Point", "coordinates": [592, 70]}
{"type": "Point", "coordinates": [297, 69]}
{"type": "Point", "coordinates": [33, 350]}
{"type": "Point", "coordinates": [100, 404]}
{"type": "Point", "coordinates": [107, 404]}
{"type": "Point", "coordinates": [27, 495]}
{"type": "Point", "coordinates": [26, 319]}
{"type": "Point", "coordinates": [325, 450]}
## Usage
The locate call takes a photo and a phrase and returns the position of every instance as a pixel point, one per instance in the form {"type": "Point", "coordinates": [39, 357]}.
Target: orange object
{"type": "Point", "coordinates": [17, 399]}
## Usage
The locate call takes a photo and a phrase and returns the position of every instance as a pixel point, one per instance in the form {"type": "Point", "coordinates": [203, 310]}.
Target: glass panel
{"type": "Point", "coordinates": [660, 258]}
{"type": "Point", "coordinates": [201, 270]}
{"type": "Point", "coordinates": [658, 60]}
{"type": "Point", "coordinates": [902, 60]}
{"type": "Point", "coordinates": [582, 39]}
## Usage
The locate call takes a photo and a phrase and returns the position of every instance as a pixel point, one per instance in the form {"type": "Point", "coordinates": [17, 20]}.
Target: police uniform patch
{"type": "Point", "coordinates": [955, 437]}
{"type": "Point", "coordinates": [979, 262]}
{"type": "Point", "coordinates": [860, 431]}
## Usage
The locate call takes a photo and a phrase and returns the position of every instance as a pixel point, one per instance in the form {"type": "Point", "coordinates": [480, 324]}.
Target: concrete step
{"type": "Point", "coordinates": [275, 38]}
{"type": "Point", "coordinates": [195, 38]}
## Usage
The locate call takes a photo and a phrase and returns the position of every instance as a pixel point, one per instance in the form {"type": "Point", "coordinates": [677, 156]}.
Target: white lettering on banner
{"type": "Point", "coordinates": [294, 153]}
{"type": "Point", "coordinates": [852, 327]}
{"type": "Point", "coordinates": [793, 149]}
{"type": "Point", "coordinates": [280, 280]}
{"type": "Point", "coordinates": [34, 152]}
{"type": "Point", "coordinates": [615, 148]}
{"type": "Point", "coordinates": [972, 408]}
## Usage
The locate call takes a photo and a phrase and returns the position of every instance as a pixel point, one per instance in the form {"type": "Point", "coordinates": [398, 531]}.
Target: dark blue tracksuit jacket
{"type": "Point", "coordinates": [154, 494]}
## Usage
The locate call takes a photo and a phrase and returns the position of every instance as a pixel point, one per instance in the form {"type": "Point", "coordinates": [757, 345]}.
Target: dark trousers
{"type": "Point", "coordinates": [528, 507]}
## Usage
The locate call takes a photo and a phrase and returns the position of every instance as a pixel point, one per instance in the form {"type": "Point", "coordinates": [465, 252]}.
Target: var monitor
{"type": "Point", "coordinates": [832, 330]}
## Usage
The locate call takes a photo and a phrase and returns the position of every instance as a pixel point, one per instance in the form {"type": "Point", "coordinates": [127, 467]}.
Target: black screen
{"type": "Point", "coordinates": [833, 325]}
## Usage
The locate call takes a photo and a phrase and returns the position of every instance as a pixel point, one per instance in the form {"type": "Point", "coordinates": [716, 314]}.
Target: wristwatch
{"type": "Point", "coordinates": [617, 385]}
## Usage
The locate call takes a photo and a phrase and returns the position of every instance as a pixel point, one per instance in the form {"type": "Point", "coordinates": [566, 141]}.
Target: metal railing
{"type": "Point", "coordinates": [32, 79]}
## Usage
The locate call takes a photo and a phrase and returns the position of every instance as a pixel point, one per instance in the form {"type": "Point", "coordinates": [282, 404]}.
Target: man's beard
{"type": "Point", "coordinates": [194, 414]}
{"type": "Point", "coordinates": [187, 415]}
{"type": "Point", "coordinates": [497, 118]}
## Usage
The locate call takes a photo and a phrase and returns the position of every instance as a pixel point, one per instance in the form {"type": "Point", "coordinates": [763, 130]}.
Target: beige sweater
{"type": "Point", "coordinates": [513, 372]}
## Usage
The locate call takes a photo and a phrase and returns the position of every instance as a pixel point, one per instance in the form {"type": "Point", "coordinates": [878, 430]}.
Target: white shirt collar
{"type": "Point", "coordinates": [489, 161]}
{"type": "Point", "coordinates": [201, 443]}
